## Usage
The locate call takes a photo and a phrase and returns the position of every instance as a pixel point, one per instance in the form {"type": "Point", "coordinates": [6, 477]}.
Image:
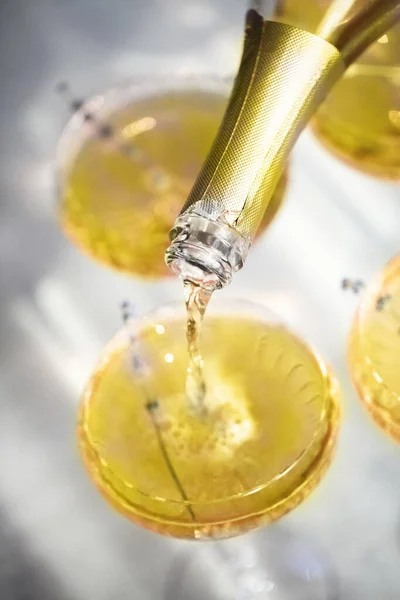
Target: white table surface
{"type": "Point", "coordinates": [58, 539]}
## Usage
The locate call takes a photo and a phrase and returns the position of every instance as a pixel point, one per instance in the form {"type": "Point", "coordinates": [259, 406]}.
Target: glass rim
{"type": "Point", "coordinates": [328, 440]}
{"type": "Point", "coordinates": [164, 80]}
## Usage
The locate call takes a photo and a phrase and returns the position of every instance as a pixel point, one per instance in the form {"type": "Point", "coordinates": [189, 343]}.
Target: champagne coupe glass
{"type": "Point", "coordinates": [126, 163]}
{"type": "Point", "coordinates": [360, 119]}
{"type": "Point", "coordinates": [258, 447]}
{"type": "Point", "coordinates": [374, 350]}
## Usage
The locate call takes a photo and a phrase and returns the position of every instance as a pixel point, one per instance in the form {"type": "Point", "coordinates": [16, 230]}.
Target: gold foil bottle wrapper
{"type": "Point", "coordinates": [284, 75]}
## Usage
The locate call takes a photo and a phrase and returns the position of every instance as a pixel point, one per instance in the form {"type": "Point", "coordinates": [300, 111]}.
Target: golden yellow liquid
{"type": "Point", "coordinates": [374, 351]}
{"type": "Point", "coordinates": [262, 445]}
{"type": "Point", "coordinates": [196, 301]}
{"type": "Point", "coordinates": [360, 119]}
{"type": "Point", "coordinates": [119, 210]}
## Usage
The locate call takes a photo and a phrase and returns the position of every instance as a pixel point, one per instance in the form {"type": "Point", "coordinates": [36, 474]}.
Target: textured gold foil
{"type": "Point", "coordinates": [284, 75]}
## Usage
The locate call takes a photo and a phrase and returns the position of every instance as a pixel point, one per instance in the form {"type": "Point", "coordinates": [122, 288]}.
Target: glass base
{"type": "Point", "coordinates": [272, 564]}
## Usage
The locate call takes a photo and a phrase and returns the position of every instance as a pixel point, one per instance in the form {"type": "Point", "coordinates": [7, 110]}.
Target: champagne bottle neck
{"type": "Point", "coordinates": [284, 76]}
{"type": "Point", "coordinates": [206, 251]}
{"type": "Point", "coordinates": [352, 25]}
{"type": "Point", "coordinates": [349, 25]}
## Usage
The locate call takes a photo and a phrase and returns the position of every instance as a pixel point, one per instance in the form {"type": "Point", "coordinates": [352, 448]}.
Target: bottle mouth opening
{"type": "Point", "coordinates": [204, 251]}
{"type": "Point", "coordinates": [193, 264]}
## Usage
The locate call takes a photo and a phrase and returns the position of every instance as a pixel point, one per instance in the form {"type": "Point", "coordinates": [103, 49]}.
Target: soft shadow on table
{"type": "Point", "coordinates": [22, 574]}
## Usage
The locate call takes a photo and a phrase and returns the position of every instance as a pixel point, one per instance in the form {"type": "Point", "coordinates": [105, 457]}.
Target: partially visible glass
{"type": "Point", "coordinates": [360, 119]}
{"type": "Point", "coordinates": [374, 350]}
{"type": "Point", "coordinates": [127, 161]}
